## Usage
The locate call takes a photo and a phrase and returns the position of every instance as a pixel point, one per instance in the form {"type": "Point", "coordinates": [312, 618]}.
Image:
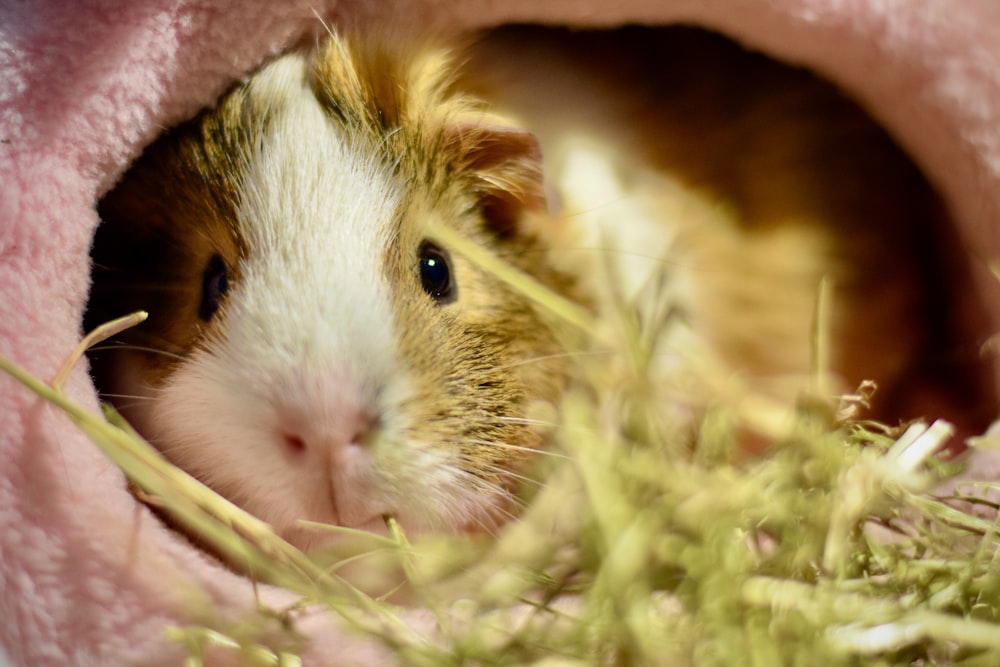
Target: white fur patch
{"type": "Point", "coordinates": [316, 213]}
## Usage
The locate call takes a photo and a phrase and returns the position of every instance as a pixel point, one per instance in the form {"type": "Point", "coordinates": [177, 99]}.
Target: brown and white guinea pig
{"type": "Point", "coordinates": [311, 351]}
{"type": "Point", "coordinates": [767, 180]}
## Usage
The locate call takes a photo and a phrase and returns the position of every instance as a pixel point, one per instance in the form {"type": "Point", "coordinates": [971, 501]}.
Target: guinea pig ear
{"type": "Point", "coordinates": [505, 164]}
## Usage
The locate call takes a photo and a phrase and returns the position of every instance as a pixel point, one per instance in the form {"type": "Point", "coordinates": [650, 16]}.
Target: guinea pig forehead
{"type": "Point", "coordinates": [309, 187]}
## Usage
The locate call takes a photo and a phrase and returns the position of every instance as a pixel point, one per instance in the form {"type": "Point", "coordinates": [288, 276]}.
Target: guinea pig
{"type": "Point", "coordinates": [312, 351]}
{"type": "Point", "coordinates": [755, 183]}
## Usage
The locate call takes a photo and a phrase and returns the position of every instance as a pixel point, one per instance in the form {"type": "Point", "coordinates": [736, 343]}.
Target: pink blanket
{"type": "Point", "coordinates": [87, 577]}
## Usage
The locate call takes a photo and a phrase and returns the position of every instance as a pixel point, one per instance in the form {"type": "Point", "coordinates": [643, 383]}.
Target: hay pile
{"type": "Point", "coordinates": [654, 540]}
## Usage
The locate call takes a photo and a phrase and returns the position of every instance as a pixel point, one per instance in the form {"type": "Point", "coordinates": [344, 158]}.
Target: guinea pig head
{"type": "Point", "coordinates": [312, 351]}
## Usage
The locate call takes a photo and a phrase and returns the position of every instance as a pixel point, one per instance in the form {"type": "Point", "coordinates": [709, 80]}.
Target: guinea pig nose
{"type": "Point", "coordinates": [347, 430]}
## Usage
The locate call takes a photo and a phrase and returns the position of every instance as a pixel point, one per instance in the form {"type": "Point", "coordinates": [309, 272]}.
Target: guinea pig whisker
{"type": "Point", "coordinates": [116, 346]}
{"type": "Point", "coordinates": [572, 355]}
{"type": "Point", "coordinates": [508, 516]}
{"type": "Point", "coordinates": [505, 500]}
{"type": "Point", "coordinates": [520, 449]}
{"type": "Point", "coordinates": [535, 360]}
{"type": "Point", "coordinates": [489, 527]}
{"type": "Point", "coordinates": [509, 474]}
{"type": "Point", "coordinates": [178, 447]}
{"type": "Point", "coordinates": [125, 405]}
{"type": "Point", "coordinates": [490, 486]}
{"type": "Point", "coordinates": [523, 421]}
{"type": "Point", "coordinates": [537, 422]}
{"type": "Point", "coordinates": [130, 397]}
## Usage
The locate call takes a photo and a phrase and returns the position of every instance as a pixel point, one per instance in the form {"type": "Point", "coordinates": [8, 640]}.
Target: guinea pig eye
{"type": "Point", "coordinates": [213, 287]}
{"type": "Point", "coordinates": [435, 273]}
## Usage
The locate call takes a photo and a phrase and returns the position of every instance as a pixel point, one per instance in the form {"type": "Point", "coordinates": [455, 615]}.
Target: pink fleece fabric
{"type": "Point", "coordinates": [88, 577]}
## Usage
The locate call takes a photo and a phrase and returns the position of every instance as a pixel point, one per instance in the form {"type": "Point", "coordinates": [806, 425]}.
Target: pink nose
{"type": "Point", "coordinates": [321, 422]}
{"type": "Point", "coordinates": [333, 453]}
{"type": "Point", "coordinates": [330, 432]}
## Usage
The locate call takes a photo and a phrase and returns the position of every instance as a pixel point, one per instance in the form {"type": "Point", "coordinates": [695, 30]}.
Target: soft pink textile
{"type": "Point", "coordinates": [89, 578]}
